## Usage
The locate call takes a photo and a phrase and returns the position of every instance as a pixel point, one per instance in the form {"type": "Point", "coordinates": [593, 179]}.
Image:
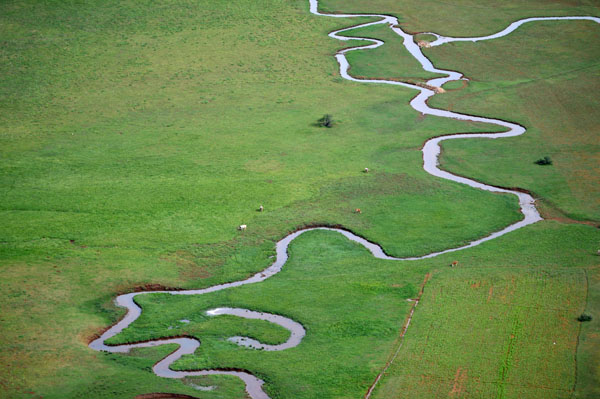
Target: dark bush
{"type": "Point", "coordinates": [544, 161]}
{"type": "Point", "coordinates": [584, 317]}
{"type": "Point", "coordinates": [326, 121]}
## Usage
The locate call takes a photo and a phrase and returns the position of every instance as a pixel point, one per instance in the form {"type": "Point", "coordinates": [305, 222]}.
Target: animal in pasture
{"type": "Point", "coordinates": [242, 227]}
{"type": "Point", "coordinates": [261, 208]}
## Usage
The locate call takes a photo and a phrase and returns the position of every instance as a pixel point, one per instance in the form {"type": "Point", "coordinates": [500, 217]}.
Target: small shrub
{"type": "Point", "coordinates": [544, 161]}
{"type": "Point", "coordinates": [326, 121]}
{"type": "Point", "coordinates": [584, 317]}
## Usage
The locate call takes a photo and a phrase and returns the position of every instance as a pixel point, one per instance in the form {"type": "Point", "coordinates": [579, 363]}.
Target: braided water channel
{"type": "Point", "coordinates": [431, 151]}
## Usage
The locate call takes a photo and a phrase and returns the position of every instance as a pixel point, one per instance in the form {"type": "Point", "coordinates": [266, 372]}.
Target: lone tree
{"type": "Point", "coordinates": [326, 121]}
{"type": "Point", "coordinates": [544, 161]}
{"type": "Point", "coordinates": [584, 317]}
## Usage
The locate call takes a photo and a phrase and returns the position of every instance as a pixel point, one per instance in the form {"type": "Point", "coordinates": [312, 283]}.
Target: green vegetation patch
{"type": "Point", "coordinates": [352, 306]}
{"type": "Point", "coordinates": [392, 56]}
{"type": "Point", "coordinates": [492, 333]}
{"type": "Point", "coordinates": [546, 86]}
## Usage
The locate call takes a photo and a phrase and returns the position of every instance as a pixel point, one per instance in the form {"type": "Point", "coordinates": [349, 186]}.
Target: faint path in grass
{"type": "Point", "coordinates": [587, 298]}
{"type": "Point", "coordinates": [400, 339]}
{"type": "Point", "coordinates": [431, 152]}
{"type": "Point", "coordinates": [507, 362]}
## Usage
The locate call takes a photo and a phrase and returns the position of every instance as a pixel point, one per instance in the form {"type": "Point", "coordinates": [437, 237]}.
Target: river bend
{"type": "Point", "coordinates": [431, 151]}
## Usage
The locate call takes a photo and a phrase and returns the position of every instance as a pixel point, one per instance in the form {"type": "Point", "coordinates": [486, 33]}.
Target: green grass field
{"type": "Point", "coordinates": [525, 92]}
{"type": "Point", "coordinates": [135, 137]}
{"type": "Point", "coordinates": [492, 333]}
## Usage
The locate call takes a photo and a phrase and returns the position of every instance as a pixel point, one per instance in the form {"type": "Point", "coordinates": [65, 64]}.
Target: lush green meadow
{"type": "Point", "coordinates": [525, 92]}
{"type": "Point", "coordinates": [135, 137]}
{"type": "Point", "coordinates": [492, 333]}
{"type": "Point", "coordinates": [546, 72]}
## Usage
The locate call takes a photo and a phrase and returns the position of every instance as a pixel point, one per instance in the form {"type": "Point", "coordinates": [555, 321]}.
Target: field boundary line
{"type": "Point", "coordinates": [587, 293]}
{"type": "Point", "coordinates": [400, 339]}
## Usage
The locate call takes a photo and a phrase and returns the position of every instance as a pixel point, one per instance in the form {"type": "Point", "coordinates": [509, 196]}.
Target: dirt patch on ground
{"type": "Point", "coordinates": [91, 333]}
{"type": "Point", "coordinates": [437, 90]}
{"type": "Point", "coordinates": [94, 334]}
{"type": "Point", "coordinates": [459, 382]}
{"type": "Point", "coordinates": [549, 211]}
{"type": "Point", "coordinates": [153, 287]}
{"type": "Point", "coordinates": [411, 80]}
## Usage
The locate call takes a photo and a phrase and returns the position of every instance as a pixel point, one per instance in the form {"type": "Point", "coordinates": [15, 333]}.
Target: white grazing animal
{"type": "Point", "coordinates": [242, 227]}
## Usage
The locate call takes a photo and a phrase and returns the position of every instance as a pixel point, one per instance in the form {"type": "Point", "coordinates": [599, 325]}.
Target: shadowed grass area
{"type": "Point", "coordinates": [588, 371]}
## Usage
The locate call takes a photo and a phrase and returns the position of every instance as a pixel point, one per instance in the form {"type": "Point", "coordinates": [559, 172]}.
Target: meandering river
{"type": "Point", "coordinates": [431, 152]}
